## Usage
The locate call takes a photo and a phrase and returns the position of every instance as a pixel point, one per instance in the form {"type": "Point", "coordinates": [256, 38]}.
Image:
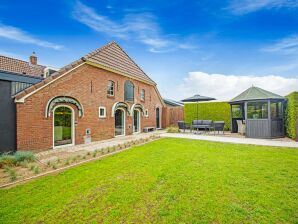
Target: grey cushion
{"type": "Point", "coordinates": [197, 122]}
{"type": "Point", "coordinates": [207, 122]}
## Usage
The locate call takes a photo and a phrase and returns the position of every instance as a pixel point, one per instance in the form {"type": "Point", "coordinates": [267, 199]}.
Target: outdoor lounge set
{"type": "Point", "coordinates": [204, 125]}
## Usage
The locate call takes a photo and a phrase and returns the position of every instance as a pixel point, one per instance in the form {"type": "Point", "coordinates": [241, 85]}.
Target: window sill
{"type": "Point", "coordinates": [111, 96]}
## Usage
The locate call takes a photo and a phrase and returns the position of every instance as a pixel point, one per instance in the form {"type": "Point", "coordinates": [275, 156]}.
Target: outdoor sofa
{"type": "Point", "coordinates": [206, 125]}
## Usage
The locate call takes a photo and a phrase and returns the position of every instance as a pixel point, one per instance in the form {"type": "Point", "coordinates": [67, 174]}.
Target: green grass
{"type": "Point", "coordinates": [166, 181]}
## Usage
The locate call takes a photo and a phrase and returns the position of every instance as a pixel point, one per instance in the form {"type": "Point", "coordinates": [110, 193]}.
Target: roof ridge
{"type": "Point", "coordinates": [21, 60]}
{"type": "Point", "coordinates": [92, 53]}
{"type": "Point", "coordinates": [133, 61]}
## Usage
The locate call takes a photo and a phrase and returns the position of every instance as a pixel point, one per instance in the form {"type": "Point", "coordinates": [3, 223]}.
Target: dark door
{"type": "Point", "coordinates": [7, 118]}
{"type": "Point", "coordinates": [157, 117]}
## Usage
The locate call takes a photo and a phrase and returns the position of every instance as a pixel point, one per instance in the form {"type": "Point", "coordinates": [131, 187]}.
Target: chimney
{"type": "Point", "coordinates": [33, 59]}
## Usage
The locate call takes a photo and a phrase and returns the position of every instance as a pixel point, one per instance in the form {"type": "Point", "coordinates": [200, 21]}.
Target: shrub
{"type": "Point", "coordinates": [67, 162]}
{"type": "Point", "coordinates": [24, 164]}
{"type": "Point", "coordinates": [7, 160]}
{"type": "Point", "coordinates": [11, 173]}
{"type": "Point", "coordinates": [36, 170]}
{"type": "Point", "coordinates": [173, 129]}
{"type": "Point", "coordinates": [24, 156]}
{"type": "Point", "coordinates": [291, 115]}
{"type": "Point", "coordinates": [54, 166]}
{"type": "Point", "coordinates": [216, 111]}
{"type": "Point", "coordinates": [17, 158]}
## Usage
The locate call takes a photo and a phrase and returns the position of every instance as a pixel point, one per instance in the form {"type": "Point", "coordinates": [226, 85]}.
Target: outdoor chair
{"type": "Point", "coordinates": [218, 126]}
{"type": "Point", "coordinates": [183, 126]}
{"type": "Point", "coordinates": [206, 125]}
{"type": "Point", "coordinates": [241, 127]}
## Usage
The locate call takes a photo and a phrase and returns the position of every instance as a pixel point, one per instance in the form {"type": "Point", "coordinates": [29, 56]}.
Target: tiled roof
{"type": "Point", "coordinates": [110, 56]}
{"type": "Point", "coordinates": [255, 93]}
{"type": "Point", "coordinates": [20, 67]}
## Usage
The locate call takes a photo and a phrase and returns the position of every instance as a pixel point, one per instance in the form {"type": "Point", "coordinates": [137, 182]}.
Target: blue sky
{"type": "Point", "coordinates": [214, 48]}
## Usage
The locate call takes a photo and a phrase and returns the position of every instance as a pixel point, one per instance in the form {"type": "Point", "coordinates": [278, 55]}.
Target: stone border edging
{"type": "Point", "coordinates": [70, 166]}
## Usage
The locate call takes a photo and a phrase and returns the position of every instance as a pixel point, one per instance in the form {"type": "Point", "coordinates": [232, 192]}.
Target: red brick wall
{"type": "Point", "coordinates": [171, 115]}
{"type": "Point", "coordinates": [35, 131]}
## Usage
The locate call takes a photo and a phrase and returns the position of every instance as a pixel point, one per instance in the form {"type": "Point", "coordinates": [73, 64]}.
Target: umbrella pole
{"type": "Point", "coordinates": [197, 110]}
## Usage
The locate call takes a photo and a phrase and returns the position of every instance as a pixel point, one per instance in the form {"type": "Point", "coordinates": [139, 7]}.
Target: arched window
{"type": "Point", "coordinates": [128, 91]}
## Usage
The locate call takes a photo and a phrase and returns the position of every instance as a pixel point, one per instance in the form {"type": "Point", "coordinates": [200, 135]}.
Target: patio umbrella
{"type": "Point", "coordinates": [198, 98]}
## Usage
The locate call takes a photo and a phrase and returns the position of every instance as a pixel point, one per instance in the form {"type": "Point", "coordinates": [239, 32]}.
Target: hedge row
{"type": "Point", "coordinates": [291, 115]}
{"type": "Point", "coordinates": [216, 111]}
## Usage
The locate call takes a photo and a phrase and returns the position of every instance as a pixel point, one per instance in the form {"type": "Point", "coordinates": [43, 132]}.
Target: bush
{"type": "Point", "coordinates": [173, 129]}
{"type": "Point", "coordinates": [7, 160]}
{"type": "Point", "coordinates": [24, 156]}
{"type": "Point", "coordinates": [17, 158]}
{"type": "Point", "coordinates": [291, 115]}
{"type": "Point", "coordinates": [11, 173]}
{"type": "Point", "coordinates": [216, 111]}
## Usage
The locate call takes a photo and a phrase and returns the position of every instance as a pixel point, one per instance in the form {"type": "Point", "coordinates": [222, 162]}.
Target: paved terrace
{"type": "Point", "coordinates": [284, 142]}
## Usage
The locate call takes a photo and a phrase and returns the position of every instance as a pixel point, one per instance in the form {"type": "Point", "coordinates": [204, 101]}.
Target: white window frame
{"type": "Point", "coordinates": [146, 113]}
{"type": "Point", "coordinates": [142, 95]}
{"type": "Point", "coordinates": [105, 112]}
{"type": "Point", "coordinates": [113, 88]}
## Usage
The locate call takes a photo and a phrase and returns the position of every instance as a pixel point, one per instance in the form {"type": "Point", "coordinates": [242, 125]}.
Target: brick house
{"type": "Point", "coordinates": [100, 96]}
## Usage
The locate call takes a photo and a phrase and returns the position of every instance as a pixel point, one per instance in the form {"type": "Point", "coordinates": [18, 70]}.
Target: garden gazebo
{"type": "Point", "coordinates": [259, 113]}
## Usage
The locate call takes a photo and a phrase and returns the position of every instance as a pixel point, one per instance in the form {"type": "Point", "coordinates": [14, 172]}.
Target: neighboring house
{"type": "Point", "coordinates": [173, 103]}
{"type": "Point", "coordinates": [173, 112]}
{"type": "Point", "coordinates": [102, 95]}
{"type": "Point", "coordinates": [15, 76]}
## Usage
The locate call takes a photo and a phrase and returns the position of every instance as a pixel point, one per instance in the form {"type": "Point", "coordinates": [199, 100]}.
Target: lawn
{"type": "Point", "coordinates": [165, 181]}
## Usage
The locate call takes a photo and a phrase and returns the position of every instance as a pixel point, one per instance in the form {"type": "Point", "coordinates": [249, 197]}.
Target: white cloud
{"type": "Point", "coordinates": [16, 34]}
{"type": "Point", "coordinates": [225, 87]}
{"type": "Point", "coordinates": [141, 27]}
{"type": "Point", "coordinates": [288, 45]}
{"type": "Point", "coordinates": [241, 7]}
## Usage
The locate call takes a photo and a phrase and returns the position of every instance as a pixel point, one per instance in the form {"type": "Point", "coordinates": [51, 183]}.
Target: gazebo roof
{"type": "Point", "coordinates": [256, 93]}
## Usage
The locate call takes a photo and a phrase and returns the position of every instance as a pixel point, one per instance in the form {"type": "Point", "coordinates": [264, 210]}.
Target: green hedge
{"type": "Point", "coordinates": [216, 111]}
{"type": "Point", "coordinates": [291, 115]}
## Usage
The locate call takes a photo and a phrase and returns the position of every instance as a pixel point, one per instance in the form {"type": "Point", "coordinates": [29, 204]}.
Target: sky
{"type": "Point", "coordinates": [212, 48]}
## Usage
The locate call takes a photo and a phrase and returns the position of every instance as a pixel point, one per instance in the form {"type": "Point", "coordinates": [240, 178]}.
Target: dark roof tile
{"type": "Point", "coordinates": [20, 67]}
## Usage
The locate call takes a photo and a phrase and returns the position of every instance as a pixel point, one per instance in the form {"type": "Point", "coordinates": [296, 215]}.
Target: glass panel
{"type": "Point", "coordinates": [136, 121]}
{"type": "Point", "coordinates": [157, 118]}
{"type": "Point", "coordinates": [142, 94]}
{"type": "Point", "coordinates": [119, 122]}
{"type": "Point", "coordinates": [257, 110]}
{"type": "Point", "coordinates": [128, 91]}
{"type": "Point", "coordinates": [62, 126]}
{"type": "Point", "coordinates": [110, 89]}
{"type": "Point", "coordinates": [237, 111]}
{"type": "Point", "coordinates": [276, 110]}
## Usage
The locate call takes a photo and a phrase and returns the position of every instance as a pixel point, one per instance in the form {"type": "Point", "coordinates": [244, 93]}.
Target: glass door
{"type": "Point", "coordinates": [62, 126]}
{"type": "Point", "coordinates": [119, 122]}
{"type": "Point", "coordinates": [157, 118]}
{"type": "Point", "coordinates": [136, 121]}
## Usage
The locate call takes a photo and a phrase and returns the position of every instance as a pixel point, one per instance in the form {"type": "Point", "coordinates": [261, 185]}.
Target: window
{"type": "Point", "coordinates": [128, 91]}
{"type": "Point", "coordinates": [237, 111]}
{"type": "Point", "coordinates": [110, 89]}
{"type": "Point", "coordinates": [146, 113]}
{"type": "Point", "coordinates": [142, 94]}
{"type": "Point", "coordinates": [276, 110]}
{"type": "Point", "coordinates": [102, 112]}
{"type": "Point", "coordinates": [257, 110]}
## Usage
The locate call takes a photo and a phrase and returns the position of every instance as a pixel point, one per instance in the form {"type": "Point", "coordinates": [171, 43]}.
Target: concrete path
{"type": "Point", "coordinates": [250, 141]}
{"type": "Point", "coordinates": [98, 144]}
